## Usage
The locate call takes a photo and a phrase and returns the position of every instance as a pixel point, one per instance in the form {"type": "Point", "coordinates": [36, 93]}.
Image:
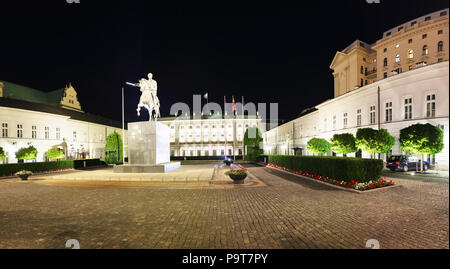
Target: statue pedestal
{"type": "Point", "coordinates": [148, 149]}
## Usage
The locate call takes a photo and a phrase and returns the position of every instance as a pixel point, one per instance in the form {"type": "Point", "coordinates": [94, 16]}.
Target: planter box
{"type": "Point", "coordinates": [238, 179]}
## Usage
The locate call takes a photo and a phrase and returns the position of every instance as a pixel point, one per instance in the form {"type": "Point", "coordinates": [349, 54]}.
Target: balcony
{"type": "Point", "coordinates": [371, 74]}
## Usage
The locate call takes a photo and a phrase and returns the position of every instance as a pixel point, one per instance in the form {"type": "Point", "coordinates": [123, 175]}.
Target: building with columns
{"type": "Point", "coordinates": [392, 101]}
{"type": "Point", "coordinates": [209, 136]}
{"type": "Point", "coordinates": [46, 119]}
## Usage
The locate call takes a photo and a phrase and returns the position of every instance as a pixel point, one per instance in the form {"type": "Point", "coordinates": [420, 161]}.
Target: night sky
{"type": "Point", "coordinates": [266, 53]}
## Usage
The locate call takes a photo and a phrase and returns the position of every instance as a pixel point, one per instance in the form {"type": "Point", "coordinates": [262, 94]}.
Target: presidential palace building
{"type": "Point", "coordinates": [400, 80]}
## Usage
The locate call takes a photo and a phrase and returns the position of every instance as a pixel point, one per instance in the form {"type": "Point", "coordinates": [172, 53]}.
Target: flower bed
{"type": "Point", "coordinates": [360, 186]}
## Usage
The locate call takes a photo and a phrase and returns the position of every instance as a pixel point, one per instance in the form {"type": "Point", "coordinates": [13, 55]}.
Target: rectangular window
{"type": "Point", "coordinates": [385, 75]}
{"type": "Point", "coordinates": [408, 108]}
{"type": "Point", "coordinates": [431, 105]}
{"type": "Point", "coordinates": [358, 117]}
{"type": "Point", "coordinates": [4, 129]}
{"type": "Point", "coordinates": [74, 136]}
{"type": "Point", "coordinates": [372, 114]}
{"type": "Point", "coordinates": [19, 131]}
{"type": "Point", "coordinates": [410, 41]}
{"type": "Point", "coordinates": [58, 133]}
{"type": "Point", "coordinates": [427, 18]}
{"type": "Point", "coordinates": [334, 122]}
{"type": "Point", "coordinates": [388, 111]}
{"type": "Point", "coordinates": [345, 120]}
{"type": "Point", "coordinates": [440, 32]}
{"type": "Point", "coordinates": [424, 36]}
{"type": "Point", "coordinates": [33, 132]}
{"type": "Point", "coordinates": [47, 132]}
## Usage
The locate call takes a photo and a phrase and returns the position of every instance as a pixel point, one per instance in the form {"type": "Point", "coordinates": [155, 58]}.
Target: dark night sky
{"type": "Point", "coordinates": [266, 53]}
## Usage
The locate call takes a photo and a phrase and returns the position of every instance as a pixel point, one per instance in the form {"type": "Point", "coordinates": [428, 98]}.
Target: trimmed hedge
{"type": "Point", "coordinates": [339, 168]}
{"type": "Point", "coordinates": [11, 168]}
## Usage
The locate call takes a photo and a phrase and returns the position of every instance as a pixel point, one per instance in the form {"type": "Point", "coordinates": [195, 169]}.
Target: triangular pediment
{"type": "Point", "coordinates": [337, 57]}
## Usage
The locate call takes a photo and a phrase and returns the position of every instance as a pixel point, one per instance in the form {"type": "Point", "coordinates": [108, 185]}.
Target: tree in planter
{"type": "Point", "coordinates": [29, 153]}
{"type": "Point", "coordinates": [343, 144]}
{"type": "Point", "coordinates": [55, 153]}
{"type": "Point", "coordinates": [374, 141]}
{"type": "Point", "coordinates": [252, 144]}
{"type": "Point", "coordinates": [114, 148]}
{"type": "Point", "coordinates": [318, 145]}
{"type": "Point", "coordinates": [422, 139]}
{"type": "Point", "coordinates": [2, 154]}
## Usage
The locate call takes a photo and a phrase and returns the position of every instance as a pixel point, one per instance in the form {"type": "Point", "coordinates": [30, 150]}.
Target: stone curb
{"type": "Point", "coordinates": [334, 186]}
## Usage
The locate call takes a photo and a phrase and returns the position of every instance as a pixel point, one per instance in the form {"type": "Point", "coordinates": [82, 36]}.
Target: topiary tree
{"type": "Point", "coordinates": [318, 145]}
{"type": "Point", "coordinates": [2, 154]}
{"type": "Point", "coordinates": [55, 153]}
{"type": "Point", "coordinates": [114, 148]}
{"type": "Point", "coordinates": [385, 141]}
{"type": "Point", "coordinates": [366, 140]}
{"type": "Point", "coordinates": [29, 153]}
{"type": "Point", "coordinates": [374, 141]}
{"type": "Point", "coordinates": [422, 139]}
{"type": "Point", "coordinates": [252, 144]}
{"type": "Point", "coordinates": [343, 143]}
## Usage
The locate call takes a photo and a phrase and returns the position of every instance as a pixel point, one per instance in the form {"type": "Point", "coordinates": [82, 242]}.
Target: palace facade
{"type": "Point", "coordinates": [209, 136]}
{"type": "Point", "coordinates": [29, 117]}
{"type": "Point", "coordinates": [401, 80]}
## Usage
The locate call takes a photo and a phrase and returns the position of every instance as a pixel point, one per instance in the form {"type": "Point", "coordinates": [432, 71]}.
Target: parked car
{"type": "Point", "coordinates": [405, 163]}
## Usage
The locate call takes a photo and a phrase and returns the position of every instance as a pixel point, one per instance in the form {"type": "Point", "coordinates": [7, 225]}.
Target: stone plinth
{"type": "Point", "coordinates": [148, 143]}
{"type": "Point", "coordinates": [148, 149]}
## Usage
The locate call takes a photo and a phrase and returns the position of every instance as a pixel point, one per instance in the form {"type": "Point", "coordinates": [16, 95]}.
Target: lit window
{"type": "Point", "coordinates": [388, 111]}
{"type": "Point", "coordinates": [345, 120]}
{"type": "Point", "coordinates": [47, 132]}
{"type": "Point", "coordinates": [19, 131]}
{"type": "Point", "coordinates": [397, 45]}
{"type": "Point", "coordinates": [372, 114]}
{"type": "Point", "coordinates": [358, 117]}
{"type": "Point", "coordinates": [410, 54]}
{"type": "Point", "coordinates": [425, 50]}
{"type": "Point", "coordinates": [408, 108]}
{"type": "Point", "coordinates": [4, 129]}
{"type": "Point", "coordinates": [33, 132]}
{"type": "Point", "coordinates": [397, 58]}
{"type": "Point", "coordinates": [431, 105]}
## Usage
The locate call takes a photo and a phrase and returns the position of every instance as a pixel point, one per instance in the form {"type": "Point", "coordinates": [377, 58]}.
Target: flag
{"type": "Point", "coordinates": [234, 106]}
{"type": "Point", "coordinates": [205, 96]}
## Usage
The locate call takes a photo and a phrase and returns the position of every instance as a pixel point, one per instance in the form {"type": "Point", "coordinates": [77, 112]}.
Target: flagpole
{"type": "Point", "coordinates": [123, 127]}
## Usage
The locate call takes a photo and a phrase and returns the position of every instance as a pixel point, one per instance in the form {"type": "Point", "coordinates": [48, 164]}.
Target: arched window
{"type": "Point", "coordinates": [440, 46]}
{"type": "Point", "coordinates": [397, 58]}
{"type": "Point", "coordinates": [425, 50]}
{"type": "Point", "coordinates": [385, 62]}
{"type": "Point", "coordinates": [410, 54]}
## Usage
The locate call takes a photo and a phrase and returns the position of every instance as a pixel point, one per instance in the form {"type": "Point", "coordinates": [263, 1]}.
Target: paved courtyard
{"type": "Point", "coordinates": [283, 211]}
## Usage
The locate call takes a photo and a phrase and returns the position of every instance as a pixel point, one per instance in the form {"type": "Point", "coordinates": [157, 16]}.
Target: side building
{"type": "Point", "coordinates": [46, 119]}
{"type": "Point", "coordinates": [412, 88]}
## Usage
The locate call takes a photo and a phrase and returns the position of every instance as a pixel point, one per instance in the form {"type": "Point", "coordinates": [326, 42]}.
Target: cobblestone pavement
{"type": "Point", "coordinates": [287, 213]}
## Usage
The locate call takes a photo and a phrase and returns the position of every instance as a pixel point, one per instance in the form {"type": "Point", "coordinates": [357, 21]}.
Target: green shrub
{"type": "Point", "coordinates": [29, 153]}
{"type": "Point", "coordinates": [252, 143]}
{"type": "Point", "coordinates": [114, 148]}
{"type": "Point", "coordinates": [2, 154]}
{"type": "Point", "coordinates": [343, 143]}
{"type": "Point", "coordinates": [339, 168]}
{"type": "Point", "coordinates": [55, 153]}
{"type": "Point", "coordinates": [318, 145]}
{"type": "Point", "coordinates": [11, 168]}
